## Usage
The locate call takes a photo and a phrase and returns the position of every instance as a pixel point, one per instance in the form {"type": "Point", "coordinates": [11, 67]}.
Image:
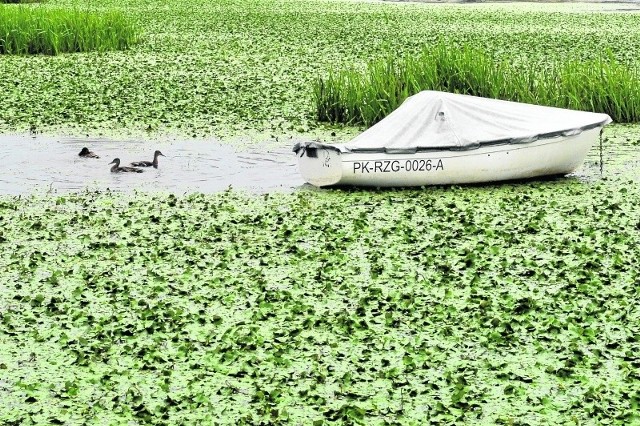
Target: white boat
{"type": "Point", "coordinates": [438, 138]}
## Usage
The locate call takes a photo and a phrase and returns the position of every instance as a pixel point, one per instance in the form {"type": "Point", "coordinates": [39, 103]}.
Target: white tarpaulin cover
{"type": "Point", "coordinates": [438, 120]}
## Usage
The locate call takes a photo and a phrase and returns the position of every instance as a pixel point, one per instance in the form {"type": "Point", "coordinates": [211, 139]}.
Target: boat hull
{"type": "Point", "coordinates": [550, 156]}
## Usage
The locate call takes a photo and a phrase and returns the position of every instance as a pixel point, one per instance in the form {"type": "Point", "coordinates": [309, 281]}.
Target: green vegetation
{"type": "Point", "coordinates": [508, 304]}
{"type": "Point", "coordinates": [353, 97]}
{"type": "Point", "coordinates": [19, 1]}
{"type": "Point", "coordinates": [235, 67]}
{"type": "Point", "coordinates": [513, 304]}
{"type": "Point", "coordinates": [38, 30]}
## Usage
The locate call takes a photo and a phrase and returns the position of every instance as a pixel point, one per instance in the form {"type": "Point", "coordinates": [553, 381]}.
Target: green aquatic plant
{"type": "Point", "coordinates": [494, 304]}
{"type": "Point", "coordinates": [353, 97]}
{"type": "Point", "coordinates": [194, 74]}
{"type": "Point", "coordinates": [38, 30]}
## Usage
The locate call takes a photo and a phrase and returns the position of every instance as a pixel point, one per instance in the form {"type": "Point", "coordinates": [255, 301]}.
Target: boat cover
{"type": "Point", "coordinates": [433, 120]}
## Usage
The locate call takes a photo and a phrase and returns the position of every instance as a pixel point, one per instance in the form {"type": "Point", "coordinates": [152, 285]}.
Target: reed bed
{"type": "Point", "coordinates": [355, 97]}
{"type": "Point", "coordinates": [28, 30]}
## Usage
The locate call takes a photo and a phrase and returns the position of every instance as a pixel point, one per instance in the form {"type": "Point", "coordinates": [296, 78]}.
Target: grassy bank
{"type": "Point", "coordinates": [38, 30]}
{"type": "Point", "coordinates": [510, 304]}
{"type": "Point", "coordinates": [240, 66]}
{"type": "Point", "coordinates": [353, 97]}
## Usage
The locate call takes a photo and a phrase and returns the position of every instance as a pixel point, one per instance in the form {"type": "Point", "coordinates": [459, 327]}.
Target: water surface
{"type": "Point", "coordinates": [41, 164]}
{"type": "Point", "coordinates": [46, 164]}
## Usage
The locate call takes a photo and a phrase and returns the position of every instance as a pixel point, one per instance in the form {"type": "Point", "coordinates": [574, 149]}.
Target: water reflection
{"type": "Point", "coordinates": [42, 164]}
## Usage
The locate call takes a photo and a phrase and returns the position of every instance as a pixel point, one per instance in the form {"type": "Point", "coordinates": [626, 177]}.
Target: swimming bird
{"type": "Point", "coordinates": [87, 154]}
{"type": "Point", "coordinates": [116, 167]}
{"type": "Point", "coordinates": [153, 163]}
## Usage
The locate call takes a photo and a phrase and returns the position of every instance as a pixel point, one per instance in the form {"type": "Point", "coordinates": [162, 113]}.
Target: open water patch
{"type": "Point", "coordinates": [40, 164]}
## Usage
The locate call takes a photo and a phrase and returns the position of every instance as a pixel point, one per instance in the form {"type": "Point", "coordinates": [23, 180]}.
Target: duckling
{"type": "Point", "coordinates": [153, 163]}
{"type": "Point", "coordinates": [116, 167]}
{"type": "Point", "coordinates": [87, 154]}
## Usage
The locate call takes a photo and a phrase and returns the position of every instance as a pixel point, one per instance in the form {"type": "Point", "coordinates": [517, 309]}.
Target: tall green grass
{"type": "Point", "coordinates": [39, 30]}
{"type": "Point", "coordinates": [356, 97]}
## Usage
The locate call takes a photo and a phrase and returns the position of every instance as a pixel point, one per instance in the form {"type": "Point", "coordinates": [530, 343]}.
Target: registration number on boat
{"type": "Point", "coordinates": [394, 166]}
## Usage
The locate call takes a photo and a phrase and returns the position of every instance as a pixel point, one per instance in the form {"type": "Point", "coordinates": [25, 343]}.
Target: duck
{"type": "Point", "coordinates": [117, 169]}
{"type": "Point", "coordinates": [87, 154]}
{"type": "Point", "coordinates": [153, 163]}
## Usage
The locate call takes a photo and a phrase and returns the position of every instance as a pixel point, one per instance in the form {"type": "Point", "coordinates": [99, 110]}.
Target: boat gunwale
{"type": "Point", "coordinates": [346, 156]}
{"type": "Point", "coordinates": [344, 149]}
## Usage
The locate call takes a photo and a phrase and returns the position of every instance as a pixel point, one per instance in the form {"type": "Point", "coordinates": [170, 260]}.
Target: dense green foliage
{"type": "Point", "coordinates": [19, 1]}
{"type": "Point", "coordinates": [600, 85]}
{"type": "Point", "coordinates": [510, 304]}
{"type": "Point", "coordinates": [243, 66]}
{"type": "Point", "coordinates": [39, 30]}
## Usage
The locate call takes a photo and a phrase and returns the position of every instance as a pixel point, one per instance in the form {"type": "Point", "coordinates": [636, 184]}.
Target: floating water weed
{"type": "Point", "coordinates": [37, 30]}
{"type": "Point", "coordinates": [194, 74]}
{"type": "Point", "coordinates": [520, 300]}
{"type": "Point", "coordinates": [602, 85]}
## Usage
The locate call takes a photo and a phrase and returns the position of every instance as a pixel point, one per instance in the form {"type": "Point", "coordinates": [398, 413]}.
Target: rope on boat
{"type": "Point", "coordinates": [601, 165]}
